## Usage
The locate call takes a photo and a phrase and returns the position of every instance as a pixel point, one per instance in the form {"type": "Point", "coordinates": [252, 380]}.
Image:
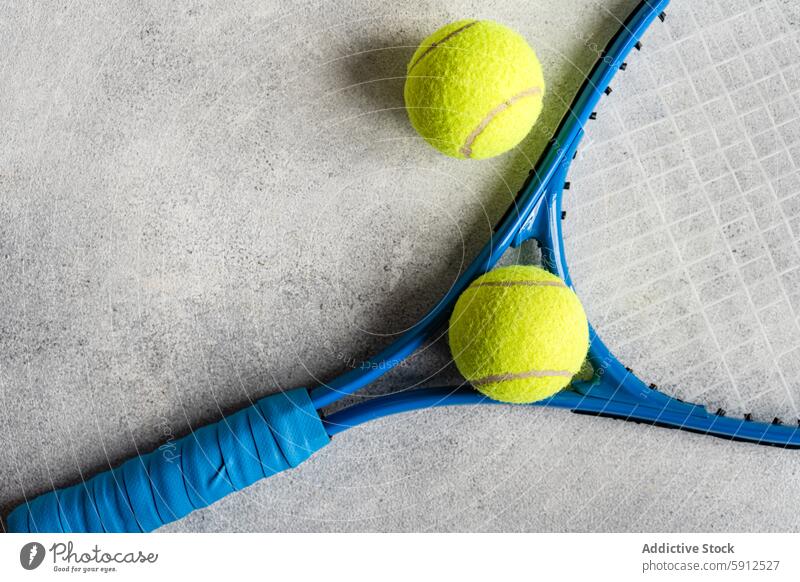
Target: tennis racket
{"type": "Point", "coordinates": [682, 218]}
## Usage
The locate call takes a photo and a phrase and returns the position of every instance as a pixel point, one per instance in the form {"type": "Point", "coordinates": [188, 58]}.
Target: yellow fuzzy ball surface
{"type": "Point", "coordinates": [518, 334]}
{"type": "Point", "coordinates": [474, 89]}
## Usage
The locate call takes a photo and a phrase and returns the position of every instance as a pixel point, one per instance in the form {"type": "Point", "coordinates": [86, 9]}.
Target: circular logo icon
{"type": "Point", "coordinates": [31, 555]}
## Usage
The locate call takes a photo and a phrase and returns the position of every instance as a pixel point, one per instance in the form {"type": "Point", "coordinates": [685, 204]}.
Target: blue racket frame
{"type": "Point", "coordinates": [281, 431]}
{"type": "Point", "coordinates": [614, 391]}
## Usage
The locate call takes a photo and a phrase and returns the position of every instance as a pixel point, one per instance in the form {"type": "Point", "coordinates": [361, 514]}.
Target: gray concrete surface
{"type": "Point", "coordinates": [202, 203]}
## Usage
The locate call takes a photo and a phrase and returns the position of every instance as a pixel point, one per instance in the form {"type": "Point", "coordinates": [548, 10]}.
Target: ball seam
{"type": "Point", "coordinates": [495, 378]}
{"type": "Point", "coordinates": [438, 43]}
{"type": "Point", "coordinates": [515, 283]}
{"type": "Point", "coordinates": [466, 149]}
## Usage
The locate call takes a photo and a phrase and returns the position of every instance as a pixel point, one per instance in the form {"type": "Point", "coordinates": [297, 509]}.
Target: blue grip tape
{"type": "Point", "coordinates": [276, 433]}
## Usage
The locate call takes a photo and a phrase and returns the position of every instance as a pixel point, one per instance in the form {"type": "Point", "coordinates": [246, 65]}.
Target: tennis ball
{"type": "Point", "coordinates": [518, 334]}
{"type": "Point", "coordinates": [474, 89]}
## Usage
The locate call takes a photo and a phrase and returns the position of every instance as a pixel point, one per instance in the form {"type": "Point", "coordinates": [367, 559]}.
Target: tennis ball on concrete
{"type": "Point", "coordinates": [474, 89]}
{"type": "Point", "coordinates": [518, 334]}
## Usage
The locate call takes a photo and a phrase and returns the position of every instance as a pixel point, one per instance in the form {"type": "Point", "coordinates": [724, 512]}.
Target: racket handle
{"type": "Point", "coordinates": [144, 493]}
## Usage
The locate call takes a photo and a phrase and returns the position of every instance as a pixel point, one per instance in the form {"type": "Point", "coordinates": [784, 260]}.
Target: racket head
{"type": "Point", "coordinates": [620, 249]}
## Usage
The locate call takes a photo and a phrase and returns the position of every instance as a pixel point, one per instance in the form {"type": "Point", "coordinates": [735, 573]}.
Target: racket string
{"type": "Point", "coordinates": [732, 250]}
{"type": "Point", "coordinates": [753, 306]}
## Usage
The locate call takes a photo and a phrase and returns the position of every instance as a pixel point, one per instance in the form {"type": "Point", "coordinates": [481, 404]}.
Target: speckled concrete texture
{"type": "Point", "coordinates": [206, 202]}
